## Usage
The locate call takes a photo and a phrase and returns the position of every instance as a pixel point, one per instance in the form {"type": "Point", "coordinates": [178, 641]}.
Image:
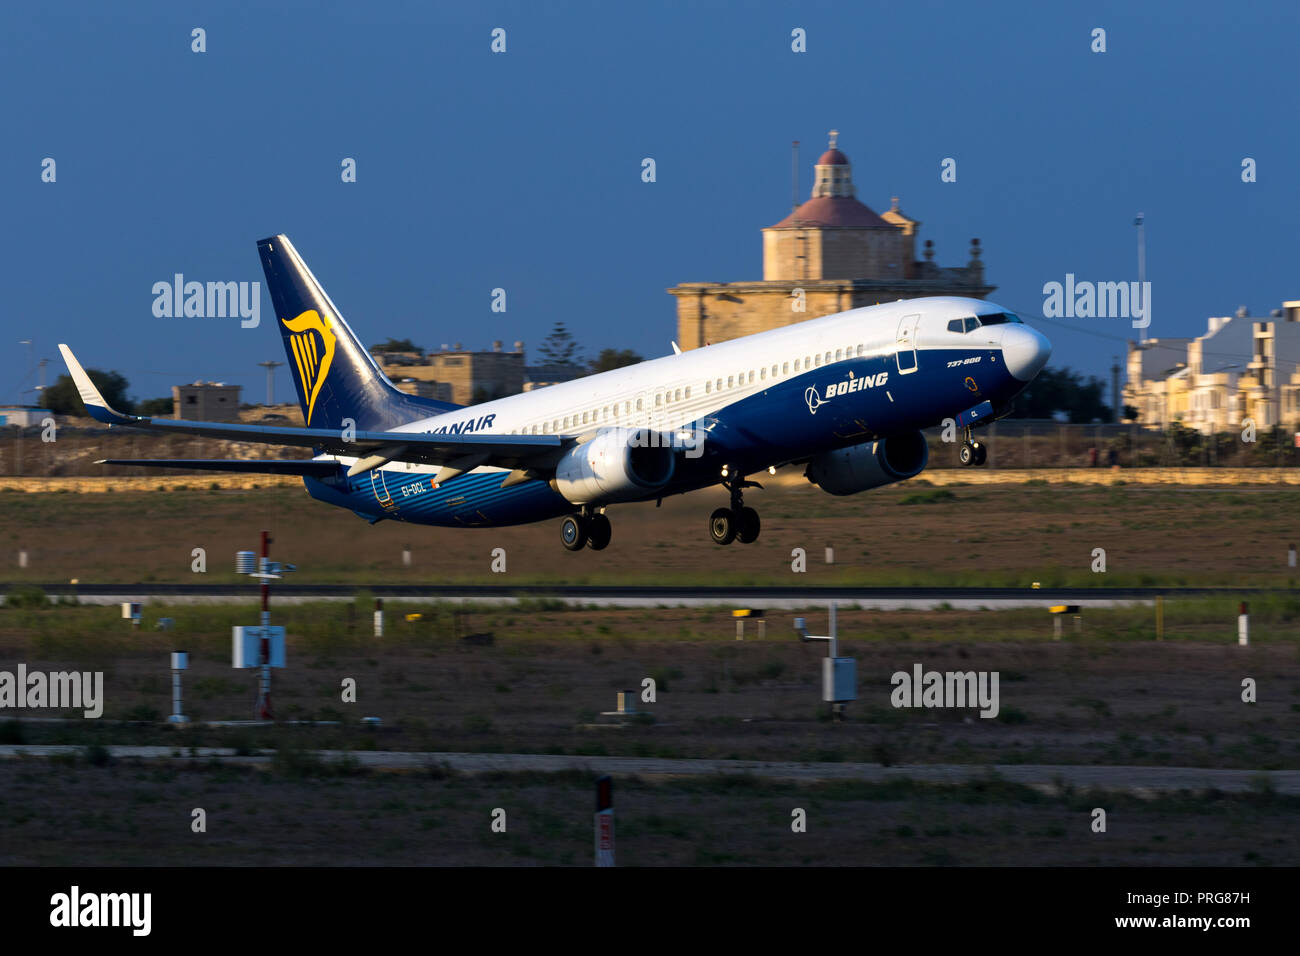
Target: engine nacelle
{"type": "Point", "coordinates": [619, 464]}
{"type": "Point", "coordinates": [846, 471]}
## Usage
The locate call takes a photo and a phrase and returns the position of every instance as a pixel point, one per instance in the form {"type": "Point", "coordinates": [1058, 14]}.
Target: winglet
{"type": "Point", "coordinates": [96, 406]}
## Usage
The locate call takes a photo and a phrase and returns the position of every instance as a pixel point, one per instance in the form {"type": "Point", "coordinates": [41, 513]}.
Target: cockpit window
{"type": "Point", "coordinates": [968, 324]}
{"type": "Point", "coordinates": [1000, 318]}
{"type": "Point", "coordinates": [955, 326]}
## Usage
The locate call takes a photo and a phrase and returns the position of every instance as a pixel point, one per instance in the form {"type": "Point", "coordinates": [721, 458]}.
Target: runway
{"type": "Point", "coordinates": [1048, 778]}
{"type": "Point", "coordinates": [634, 596]}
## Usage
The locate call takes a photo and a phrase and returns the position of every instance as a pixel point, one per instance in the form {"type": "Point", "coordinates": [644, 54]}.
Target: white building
{"type": "Point", "coordinates": [1242, 367]}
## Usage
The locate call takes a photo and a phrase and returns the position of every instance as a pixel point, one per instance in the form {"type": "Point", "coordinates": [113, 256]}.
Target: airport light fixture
{"type": "Point", "coordinates": [839, 674]}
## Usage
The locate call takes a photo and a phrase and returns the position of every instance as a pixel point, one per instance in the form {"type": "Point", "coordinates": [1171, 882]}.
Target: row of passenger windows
{"type": "Point", "coordinates": [782, 370]}
{"type": "Point", "coordinates": [611, 413]}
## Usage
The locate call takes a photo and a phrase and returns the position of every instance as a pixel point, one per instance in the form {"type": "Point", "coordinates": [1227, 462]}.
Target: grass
{"type": "Point", "coordinates": [990, 535]}
{"type": "Point", "coordinates": [321, 816]}
{"type": "Point", "coordinates": [321, 629]}
{"type": "Point", "coordinates": [928, 497]}
{"type": "Point", "coordinates": [539, 685]}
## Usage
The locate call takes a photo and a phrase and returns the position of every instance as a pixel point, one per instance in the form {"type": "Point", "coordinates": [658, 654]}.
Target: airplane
{"type": "Point", "coordinates": [846, 395]}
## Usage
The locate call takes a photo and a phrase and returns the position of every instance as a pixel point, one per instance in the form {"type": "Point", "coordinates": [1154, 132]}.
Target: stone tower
{"type": "Point", "coordinates": [829, 255]}
{"type": "Point", "coordinates": [833, 235]}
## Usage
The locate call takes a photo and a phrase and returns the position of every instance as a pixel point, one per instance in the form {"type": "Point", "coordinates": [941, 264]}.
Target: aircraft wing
{"type": "Point", "coordinates": [456, 453]}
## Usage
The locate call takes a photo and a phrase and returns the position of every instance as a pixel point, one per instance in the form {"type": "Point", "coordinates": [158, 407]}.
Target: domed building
{"type": "Point", "coordinates": [838, 251]}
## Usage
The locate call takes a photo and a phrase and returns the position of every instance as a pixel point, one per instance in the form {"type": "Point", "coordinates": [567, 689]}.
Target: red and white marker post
{"type": "Point", "coordinates": [605, 821]}
{"type": "Point", "coordinates": [264, 685]}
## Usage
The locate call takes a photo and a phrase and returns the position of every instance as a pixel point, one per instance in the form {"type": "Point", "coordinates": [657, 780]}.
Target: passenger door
{"type": "Point", "coordinates": [906, 345]}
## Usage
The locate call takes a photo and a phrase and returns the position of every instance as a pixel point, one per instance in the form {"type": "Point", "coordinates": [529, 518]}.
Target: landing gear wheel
{"type": "Point", "coordinates": [981, 452]}
{"type": "Point", "coordinates": [747, 525]}
{"type": "Point", "coordinates": [598, 532]}
{"type": "Point", "coordinates": [722, 526]}
{"type": "Point", "coordinates": [966, 454]}
{"type": "Point", "coordinates": [573, 532]}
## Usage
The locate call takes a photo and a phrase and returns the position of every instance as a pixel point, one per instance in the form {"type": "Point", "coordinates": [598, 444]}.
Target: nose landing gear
{"type": "Point", "coordinates": [972, 452]}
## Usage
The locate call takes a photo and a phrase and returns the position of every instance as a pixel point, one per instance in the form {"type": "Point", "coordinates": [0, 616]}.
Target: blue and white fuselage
{"type": "Point", "coordinates": [769, 399]}
{"type": "Point", "coordinates": [845, 394]}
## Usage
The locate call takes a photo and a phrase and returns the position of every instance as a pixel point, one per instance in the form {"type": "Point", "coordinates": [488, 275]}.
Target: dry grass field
{"type": "Point", "coordinates": [1113, 695]}
{"type": "Point", "coordinates": [1110, 695]}
{"type": "Point", "coordinates": [70, 813]}
{"type": "Point", "coordinates": [904, 534]}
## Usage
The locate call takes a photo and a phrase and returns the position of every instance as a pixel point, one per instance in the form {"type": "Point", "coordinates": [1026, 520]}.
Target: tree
{"type": "Point", "coordinates": [397, 345]}
{"type": "Point", "coordinates": [155, 407]}
{"type": "Point", "coordinates": [610, 359]}
{"type": "Point", "coordinates": [1063, 390]}
{"type": "Point", "coordinates": [560, 348]}
{"type": "Point", "coordinates": [62, 397]}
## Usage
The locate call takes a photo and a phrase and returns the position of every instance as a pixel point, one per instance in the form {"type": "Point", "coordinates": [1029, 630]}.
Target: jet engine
{"type": "Point", "coordinates": [846, 471]}
{"type": "Point", "coordinates": [619, 464]}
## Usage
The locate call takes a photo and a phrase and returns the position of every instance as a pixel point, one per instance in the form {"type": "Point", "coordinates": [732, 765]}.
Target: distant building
{"type": "Point", "coordinates": [206, 402]}
{"type": "Point", "coordinates": [837, 253]}
{"type": "Point", "coordinates": [400, 358]}
{"type": "Point", "coordinates": [471, 376]}
{"type": "Point", "coordinates": [539, 376]}
{"type": "Point", "coordinates": [22, 415]}
{"type": "Point", "coordinates": [439, 391]}
{"type": "Point", "coordinates": [1241, 368]}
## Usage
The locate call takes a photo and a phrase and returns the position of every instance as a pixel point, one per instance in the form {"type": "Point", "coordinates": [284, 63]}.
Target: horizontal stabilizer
{"type": "Point", "coordinates": [269, 466]}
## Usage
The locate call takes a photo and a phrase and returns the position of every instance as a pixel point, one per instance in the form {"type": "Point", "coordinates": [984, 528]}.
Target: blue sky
{"type": "Point", "coordinates": [522, 170]}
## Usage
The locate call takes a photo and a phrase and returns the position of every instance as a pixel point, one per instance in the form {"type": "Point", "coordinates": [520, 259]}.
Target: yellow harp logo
{"type": "Point", "coordinates": [313, 353]}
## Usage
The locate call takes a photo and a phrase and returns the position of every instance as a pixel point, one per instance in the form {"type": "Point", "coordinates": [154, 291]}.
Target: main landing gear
{"type": "Point", "coordinates": [588, 528]}
{"type": "Point", "coordinates": [972, 452]}
{"type": "Point", "coordinates": [737, 522]}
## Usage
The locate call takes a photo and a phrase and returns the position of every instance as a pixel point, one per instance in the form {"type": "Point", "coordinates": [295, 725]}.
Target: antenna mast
{"type": "Point", "coordinates": [1140, 222]}
{"type": "Point", "coordinates": [794, 175]}
{"type": "Point", "coordinates": [270, 378]}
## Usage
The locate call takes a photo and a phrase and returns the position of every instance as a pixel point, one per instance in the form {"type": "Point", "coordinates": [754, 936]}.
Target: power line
{"type": "Point", "coordinates": [1121, 338]}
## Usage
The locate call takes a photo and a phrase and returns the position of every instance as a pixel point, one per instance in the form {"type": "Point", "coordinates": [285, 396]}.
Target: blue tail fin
{"type": "Point", "coordinates": [335, 375]}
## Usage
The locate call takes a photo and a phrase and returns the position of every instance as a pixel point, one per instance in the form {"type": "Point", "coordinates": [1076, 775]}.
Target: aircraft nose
{"type": "Point", "coordinates": [1025, 351]}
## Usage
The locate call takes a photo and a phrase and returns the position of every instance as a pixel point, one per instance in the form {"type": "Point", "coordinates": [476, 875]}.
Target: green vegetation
{"type": "Point", "coordinates": [155, 406]}
{"type": "Point", "coordinates": [63, 398]}
{"type": "Point", "coordinates": [26, 596]}
{"type": "Point", "coordinates": [928, 497]}
{"type": "Point", "coordinates": [1063, 390]}
{"type": "Point", "coordinates": [560, 348]}
{"type": "Point", "coordinates": [397, 345]}
{"type": "Point", "coordinates": [610, 359]}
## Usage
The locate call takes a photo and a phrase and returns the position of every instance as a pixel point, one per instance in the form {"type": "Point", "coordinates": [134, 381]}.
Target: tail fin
{"type": "Point", "coordinates": [335, 375]}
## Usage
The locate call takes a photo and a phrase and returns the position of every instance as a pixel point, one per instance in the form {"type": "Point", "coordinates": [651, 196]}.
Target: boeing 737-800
{"type": "Point", "coordinates": [846, 395]}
